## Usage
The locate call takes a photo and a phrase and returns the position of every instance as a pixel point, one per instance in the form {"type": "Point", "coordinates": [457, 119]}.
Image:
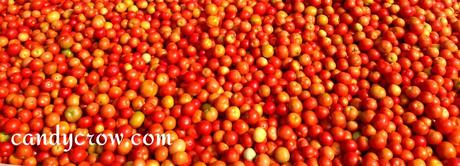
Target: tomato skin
{"type": "Point", "coordinates": [11, 126]}
{"type": "Point", "coordinates": [232, 155]}
{"type": "Point", "coordinates": [326, 139]}
{"type": "Point", "coordinates": [78, 155]}
{"type": "Point", "coordinates": [137, 119]}
{"type": "Point", "coordinates": [204, 128]}
{"type": "Point", "coordinates": [381, 121]}
{"type": "Point", "coordinates": [453, 161]}
{"type": "Point", "coordinates": [231, 137]}
{"type": "Point", "coordinates": [24, 151]}
{"type": "Point", "coordinates": [445, 126]}
{"type": "Point", "coordinates": [7, 149]}
{"type": "Point", "coordinates": [251, 117]}
{"type": "Point", "coordinates": [446, 150]}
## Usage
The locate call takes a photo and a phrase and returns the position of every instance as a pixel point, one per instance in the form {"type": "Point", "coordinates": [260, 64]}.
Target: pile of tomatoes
{"type": "Point", "coordinates": [241, 82]}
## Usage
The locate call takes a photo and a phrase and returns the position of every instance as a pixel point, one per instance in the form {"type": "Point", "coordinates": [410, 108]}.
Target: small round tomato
{"type": "Point", "coordinates": [78, 155]}
{"type": "Point", "coordinates": [73, 113]}
{"type": "Point", "coordinates": [137, 119]}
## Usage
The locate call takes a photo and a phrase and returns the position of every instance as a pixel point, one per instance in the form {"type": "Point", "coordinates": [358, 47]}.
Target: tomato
{"type": "Point", "coordinates": [282, 155]}
{"type": "Point", "coordinates": [125, 146]}
{"type": "Point", "coordinates": [78, 155]}
{"type": "Point", "coordinates": [7, 149]}
{"type": "Point", "coordinates": [180, 158]}
{"type": "Point", "coordinates": [148, 88]}
{"type": "Point", "coordinates": [307, 83]}
{"type": "Point", "coordinates": [11, 125]}
{"type": "Point", "coordinates": [108, 111]}
{"type": "Point", "coordinates": [161, 153]}
{"type": "Point", "coordinates": [137, 119]}
{"type": "Point", "coordinates": [73, 113]}
{"type": "Point", "coordinates": [231, 138]}
{"type": "Point", "coordinates": [259, 135]}
{"type": "Point", "coordinates": [231, 155]}
{"type": "Point", "coordinates": [446, 150]}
